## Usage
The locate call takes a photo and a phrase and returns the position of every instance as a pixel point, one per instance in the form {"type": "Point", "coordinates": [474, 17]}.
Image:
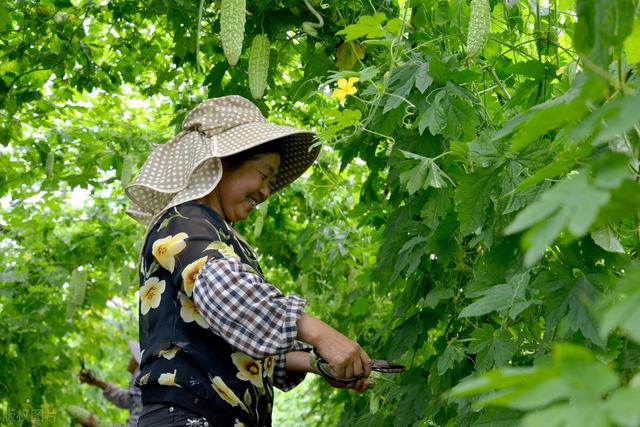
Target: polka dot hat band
{"type": "Point", "coordinates": [188, 167]}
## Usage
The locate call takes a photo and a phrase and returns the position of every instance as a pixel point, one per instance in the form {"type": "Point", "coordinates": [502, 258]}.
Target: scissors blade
{"type": "Point", "coordinates": [387, 367]}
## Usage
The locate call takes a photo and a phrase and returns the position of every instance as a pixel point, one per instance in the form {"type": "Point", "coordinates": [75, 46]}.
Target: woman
{"type": "Point", "coordinates": [215, 335]}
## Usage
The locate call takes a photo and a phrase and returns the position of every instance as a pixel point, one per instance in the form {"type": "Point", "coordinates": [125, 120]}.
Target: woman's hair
{"type": "Point", "coordinates": [234, 161]}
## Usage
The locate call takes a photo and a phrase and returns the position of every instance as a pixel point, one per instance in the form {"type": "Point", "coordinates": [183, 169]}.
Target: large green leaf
{"type": "Point", "coordinates": [572, 204]}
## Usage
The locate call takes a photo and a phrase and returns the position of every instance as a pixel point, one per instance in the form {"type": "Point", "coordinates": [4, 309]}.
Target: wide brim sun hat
{"type": "Point", "coordinates": [188, 167]}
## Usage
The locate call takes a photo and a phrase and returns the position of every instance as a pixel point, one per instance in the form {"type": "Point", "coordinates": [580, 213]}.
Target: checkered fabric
{"type": "Point", "coordinates": [249, 313]}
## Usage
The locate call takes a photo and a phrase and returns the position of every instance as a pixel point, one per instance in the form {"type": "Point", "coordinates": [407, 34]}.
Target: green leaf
{"type": "Point", "coordinates": [424, 175]}
{"type": "Point", "coordinates": [602, 27]}
{"type": "Point", "coordinates": [551, 170]}
{"type": "Point", "coordinates": [498, 417]}
{"type": "Point", "coordinates": [491, 346]}
{"type": "Point", "coordinates": [572, 204]}
{"type": "Point", "coordinates": [404, 337]}
{"type": "Point", "coordinates": [434, 117]}
{"type": "Point", "coordinates": [606, 238]}
{"type": "Point", "coordinates": [567, 415]}
{"type": "Point", "coordinates": [632, 43]}
{"type": "Point", "coordinates": [532, 68]}
{"type": "Point", "coordinates": [485, 152]}
{"type": "Point", "coordinates": [368, 26]}
{"type": "Point", "coordinates": [436, 295]}
{"type": "Point", "coordinates": [586, 375]}
{"type": "Point", "coordinates": [393, 26]}
{"type": "Point", "coordinates": [496, 298]}
{"type": "Point", "coordinates": [501, 379]}
{"type": "Point", "coordinates": [580, 314]}
{"type": "Point", "coordinates": [453, 354]}
{"type": "Point", "coordinates": [462, 118]}
{"type": "Point", "coordinates": [473, 197]}
{"type": "Point", "coordinates": [398, 95]}
{"type": "Point", "coordinates": [510, 296]}
{"type": "Point", "coordinates": [615, 118]}
{"type": "Point", "coordinates": [368, 74]}
{"type": "Point", "coordinates": [623, 407]}
{"type": "Point", "coordinates": [423, 79]}
{"type": "Point", "coordinates": [4, 16]}
{"type": "Point", "coordinates": [623, 309]}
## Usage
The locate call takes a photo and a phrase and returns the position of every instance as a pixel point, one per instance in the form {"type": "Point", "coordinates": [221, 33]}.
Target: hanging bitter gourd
{"type": "Point", "coordinates": [51, 158]}
{"type": "Point", "coordinates": [232, 20]}
{"type": "Point", "coordinates": [259, 65]}
{"type": "Point", "coordinates": [77, 289]}
{"type": "Point", "coordinates": [479, 25]}
{"type": "Point", "coordinates": [127, 170]}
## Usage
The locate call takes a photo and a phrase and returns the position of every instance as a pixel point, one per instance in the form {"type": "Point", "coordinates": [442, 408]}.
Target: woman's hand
{"type": "Point", "coordinates": [346, 357]}
{"type": "Point", "coordinates": [300, 361]}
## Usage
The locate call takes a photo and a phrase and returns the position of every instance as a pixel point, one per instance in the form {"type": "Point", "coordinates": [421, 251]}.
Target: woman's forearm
{"type": "Point", "coordinates": [298, 361]}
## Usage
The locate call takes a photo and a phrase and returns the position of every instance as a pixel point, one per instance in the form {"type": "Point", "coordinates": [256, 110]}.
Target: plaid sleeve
{"type": "Point", "coordinates": [249, 313]}
{"type": "Point", "coordinates": [284, 379]}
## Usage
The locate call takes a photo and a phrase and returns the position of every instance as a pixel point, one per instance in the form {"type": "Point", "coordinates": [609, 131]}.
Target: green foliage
{"type": "Point", "coordinates": [474, 217]}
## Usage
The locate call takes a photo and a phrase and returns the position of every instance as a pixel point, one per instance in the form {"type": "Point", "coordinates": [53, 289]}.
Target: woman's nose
{"type": "Point", "coordinates": [265, 191]}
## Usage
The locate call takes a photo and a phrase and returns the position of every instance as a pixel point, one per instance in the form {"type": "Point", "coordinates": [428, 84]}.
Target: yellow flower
{"type": "Point", "coordinates": [268, 364]}
{"type": "Point", "coordinates": [248, 368]}
{"type": "Point", "coordinates": [345, 88]}
{"type": "Point", "coordinates": [226, 393]}
{"type": "Point", "coordinates": [189, 312]}
{"type": "Point", "coordinates": [169, 354]}
{"type": "Point", "coordinates": [168, 379]}
{"type": "Point", "coordinates": [150, 294]}
{"type": "Point", "coordinates": [224, 249]}
{"type": "Point", "coordinates": [238, 424]}
{"type": "Point", "coordinates": [164, 250]}
{"type": "Point", "coordinates": [190, 273]}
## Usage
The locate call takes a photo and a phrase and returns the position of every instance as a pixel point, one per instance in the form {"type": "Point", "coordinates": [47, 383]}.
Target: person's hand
{"type": "Point", "coordinates": [359, 386]}
{"type": "Point", "coordinates": [346, 358]}
{"type": "Point", "coordinates": [87, 376]}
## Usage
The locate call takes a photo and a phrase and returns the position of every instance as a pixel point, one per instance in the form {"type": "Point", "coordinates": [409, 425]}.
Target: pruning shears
{"type": "Point", "coordinates": [325, 370]}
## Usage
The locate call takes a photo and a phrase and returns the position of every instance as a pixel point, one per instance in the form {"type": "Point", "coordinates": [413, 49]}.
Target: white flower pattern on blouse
{"type": "Point", "coordinates": [164, 250]}
{"type": "Point", "coordinates": [169, 353]}
{"type": "Point", "coordinates": [189, 312]}
{"type": "Point", "coordinates": [190, 273]}
{"type": "Point", "coordinates": [248, 368]}
{"type": "Point", "coordinates": [168, 379]}
{"type": "Point", "coordinates": [150, 294]}
{"type": "Point", "coordinates": [226, 393]}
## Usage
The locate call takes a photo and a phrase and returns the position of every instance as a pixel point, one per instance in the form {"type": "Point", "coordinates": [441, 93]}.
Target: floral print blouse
{"type": "Point", "coordinates": [213, 333]}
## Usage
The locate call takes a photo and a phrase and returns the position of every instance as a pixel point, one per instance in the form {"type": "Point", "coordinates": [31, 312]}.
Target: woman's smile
{"type": "Point", "coordinates": [241, 189]}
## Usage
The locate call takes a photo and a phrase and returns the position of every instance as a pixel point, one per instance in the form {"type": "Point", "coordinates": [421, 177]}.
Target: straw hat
{"type": "Point", "coordinates": [188, 167]}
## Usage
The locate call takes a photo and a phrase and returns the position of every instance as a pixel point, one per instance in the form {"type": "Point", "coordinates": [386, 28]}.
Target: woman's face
{"type": "Point", "coordinates": [241, 189]}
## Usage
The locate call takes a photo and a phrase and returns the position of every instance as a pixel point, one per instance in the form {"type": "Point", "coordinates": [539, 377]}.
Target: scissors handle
{"type": "Point", "coordinates": [325, 370]}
